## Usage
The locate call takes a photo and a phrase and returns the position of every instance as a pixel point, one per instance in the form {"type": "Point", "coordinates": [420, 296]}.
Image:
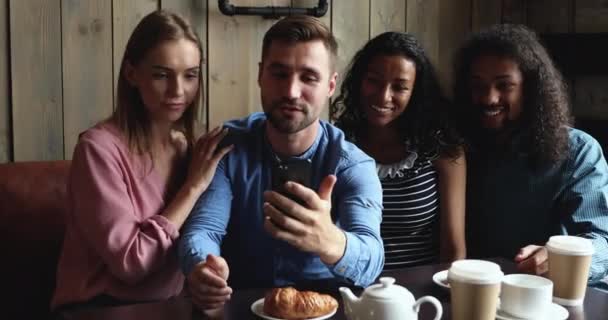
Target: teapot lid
{"type": "Point", "coordinates": [388, 290]}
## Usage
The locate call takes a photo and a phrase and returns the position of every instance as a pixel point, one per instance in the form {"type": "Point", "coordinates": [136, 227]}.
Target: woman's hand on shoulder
{"type": "Point", "coordinates": [205, 158]}
{"type": "Point", "coordinates": [180, 142]}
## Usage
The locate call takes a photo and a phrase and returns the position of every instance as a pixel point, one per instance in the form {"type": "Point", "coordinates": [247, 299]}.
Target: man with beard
{"type": "Point", "coordinates": [331, 234]}
{"type": "Point", "coordinates": [529, 174]}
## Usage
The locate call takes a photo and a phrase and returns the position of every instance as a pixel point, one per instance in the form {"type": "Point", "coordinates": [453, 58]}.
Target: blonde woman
{"type": "Point", "coordinates": [130, 187]}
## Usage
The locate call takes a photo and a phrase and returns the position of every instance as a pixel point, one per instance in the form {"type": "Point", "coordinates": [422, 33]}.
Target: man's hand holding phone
{"type": "Point", "coordinates": [308, 227]}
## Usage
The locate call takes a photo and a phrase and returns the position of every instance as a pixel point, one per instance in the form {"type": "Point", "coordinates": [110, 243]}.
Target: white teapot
{"type": "Point", "coordinates": [385, 301]}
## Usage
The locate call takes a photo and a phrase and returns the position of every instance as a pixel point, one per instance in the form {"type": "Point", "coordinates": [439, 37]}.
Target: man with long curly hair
{"type": "Point", "coordinates": [530, 175]}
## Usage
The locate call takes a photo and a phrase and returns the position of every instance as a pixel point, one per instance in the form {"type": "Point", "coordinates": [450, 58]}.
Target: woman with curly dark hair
{"type": "Point", "coordinates": [391, 106]}
{"type": "Point", "coordinates": [530, 175]}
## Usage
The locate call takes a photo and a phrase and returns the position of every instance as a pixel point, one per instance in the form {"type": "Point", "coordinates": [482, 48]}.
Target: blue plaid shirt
{"type": "Point", "coordinates": [229, 214]}
{"type": "Point", "coordinates": [510, 205]}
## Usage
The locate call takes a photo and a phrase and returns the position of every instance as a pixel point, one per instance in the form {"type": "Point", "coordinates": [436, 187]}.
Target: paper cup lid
{"type": "Point", "coordinates": [570, 245]}
{"type": "Point", "coordinates": [475, 271]}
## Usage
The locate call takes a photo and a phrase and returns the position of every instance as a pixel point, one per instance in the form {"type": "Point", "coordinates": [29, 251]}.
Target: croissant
{"type": "Point", "coordinates": [289, 303]}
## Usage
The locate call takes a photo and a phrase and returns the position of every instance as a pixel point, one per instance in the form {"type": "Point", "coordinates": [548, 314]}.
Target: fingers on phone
{"type": "Point", "coordinates": [290, 223]}
{"type": "Point", "coordinates": [275, 231]}
{"type": "Point", "coordinates": [301, 192]}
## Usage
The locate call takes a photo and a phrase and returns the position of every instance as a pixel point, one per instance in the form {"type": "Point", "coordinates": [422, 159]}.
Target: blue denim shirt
{"type": "Point", "coordinates": [509, 205]}
{"type": "Point", "coordinates": [229, 214]}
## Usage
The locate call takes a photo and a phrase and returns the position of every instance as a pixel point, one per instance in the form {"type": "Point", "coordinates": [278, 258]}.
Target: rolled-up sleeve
{"type": "Point", "coordinates": [358, 204]}
{"type": "Point", "coordinates": [205, 228]}
{"type": "Point", "coordinates": [584, 202]}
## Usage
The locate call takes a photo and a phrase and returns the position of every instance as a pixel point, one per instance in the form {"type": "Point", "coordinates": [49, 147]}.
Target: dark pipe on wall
{"type": "Point", "coordinates": [272, 12]}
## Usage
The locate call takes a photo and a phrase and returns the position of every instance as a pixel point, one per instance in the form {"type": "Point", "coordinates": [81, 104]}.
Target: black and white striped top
{"type": "Point", "coordinates": [410, 226]}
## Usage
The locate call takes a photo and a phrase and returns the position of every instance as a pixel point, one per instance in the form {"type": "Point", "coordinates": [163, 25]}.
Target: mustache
{"type": "Point", "coordinates": [491, 106]}
{"type": "Point", "coordinates": [289, 104]}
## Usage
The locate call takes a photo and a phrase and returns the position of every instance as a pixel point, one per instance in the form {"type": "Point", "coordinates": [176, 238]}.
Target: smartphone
{"type": "Point", "coordinates": [296, 170]}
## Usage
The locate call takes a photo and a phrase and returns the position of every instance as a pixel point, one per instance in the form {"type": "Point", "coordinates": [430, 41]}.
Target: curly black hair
{"type": "Point", "coordinates": [424, 124]}
{"type": "Point", "coordinates": [545, 117]}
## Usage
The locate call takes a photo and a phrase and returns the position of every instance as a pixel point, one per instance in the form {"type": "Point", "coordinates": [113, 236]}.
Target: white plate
{"type": "Point", "coordinates": [258, 308]}
{"type": "Point", "coordinates": [556, 312]}
{"type": "Point", "coordinates": [441, 279]}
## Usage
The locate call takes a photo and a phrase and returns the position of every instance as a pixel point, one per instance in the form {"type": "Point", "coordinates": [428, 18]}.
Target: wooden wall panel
{"type": "Point", "coordinates": [387, 15]}
{"type": "Point", "coordinates": [126, 14]}
{"type": "Point", "coordinates": [514, 11]}
{"type": "Point", "coordinates": [350, 25]}
{"type": "Point", "coordinates": [423, 21]}
{"type": "Point", "coordinates": [5, 116]}
{"type": "Point", "coordinates": [549, 16]}
{"type": "Point", "coordinates": [591, 97]}
{"type": "Point", "coordinates": [87, 80]}
{"type": "Point", "coordinates": [55, 61]}
{"type": "Point", "coordinates": [327, 20]}
{"type": "Point", "coordinates": [196, 13]}
{"type": "Point", "coordinates": [36, 80]}
{"type": "Point", "coordinates": [485, 13]}
{"type": "Point", "coordinates": [455, 26]}
{"type": "Point", "coordinates": [591, 16]}
{"type": "Point", "coordinates": [234, 53]}
{"type": "Point", "coordinates": [313, 3]}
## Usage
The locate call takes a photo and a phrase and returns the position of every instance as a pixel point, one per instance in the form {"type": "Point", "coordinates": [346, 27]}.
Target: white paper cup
{"type": "Point", "coordinates": [526, 296]}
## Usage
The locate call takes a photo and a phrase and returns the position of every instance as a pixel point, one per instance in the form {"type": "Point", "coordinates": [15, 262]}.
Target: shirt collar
{"type": "Point", "coordinates": [307, 155]}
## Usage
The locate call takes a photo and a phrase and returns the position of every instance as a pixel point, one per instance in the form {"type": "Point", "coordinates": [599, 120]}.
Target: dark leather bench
{"type": "Point", "coordinates": [33, 201]}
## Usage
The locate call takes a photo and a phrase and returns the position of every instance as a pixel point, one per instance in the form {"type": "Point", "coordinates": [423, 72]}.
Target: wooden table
{"type": "Point", "coordinates": [418, 280]}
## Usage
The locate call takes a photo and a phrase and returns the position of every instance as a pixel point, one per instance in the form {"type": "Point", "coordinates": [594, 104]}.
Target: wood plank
{"type": "Point", "coordinates": [455, 26]}
{"type": "Point", "coordinates": [423, 22]}
{"type": "Point", "coordinates": [36, 80]}
{"type": "Point", "coordinates": [235, 45]}
{"type": "Point", "coordinates": [514, 11]}
{"type": "Point", "coordinates": [591, 97]}
{"type": "Point", "coordinates": [327, 20]}
{"type": "Point", "coordinates": [590, 16]}
{"type": "Point", "coordinates": [549, 16]}
{"type": "Point", "coordinates": [313, 3]}
{"type": "Point", "coordinates": [485, 13]}
{"type": "Point", "coordinates": [5, 116]}
{"type": "Point", "coordinates": [350, 25]}
{"type": "Point", "coordinates": [196, 13]}
{"type": "Point", "coordinates": [387, 15]}
{"type": "Point", "coordinates": [566, 50]}
{"type": "Point", "coordinates": [87, 75]}
{"type": "Point", "coordinates": [126, 14]}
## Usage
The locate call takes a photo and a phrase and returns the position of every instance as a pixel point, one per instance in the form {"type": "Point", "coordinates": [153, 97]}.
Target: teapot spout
{"type": "Point", "coordinates": [349, 298]}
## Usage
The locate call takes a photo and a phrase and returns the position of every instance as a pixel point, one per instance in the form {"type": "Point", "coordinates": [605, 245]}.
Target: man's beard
{"type": "Point", "coordinates": [288, 126]}
{"type": "Point", "coordinates": [497, 140]}
{"type": "Point", "coordinates": [508, 128]}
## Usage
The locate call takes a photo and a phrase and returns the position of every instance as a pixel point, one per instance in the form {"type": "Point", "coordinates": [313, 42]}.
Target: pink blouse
{"type": "Point", "coordinates": [116, 243]}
